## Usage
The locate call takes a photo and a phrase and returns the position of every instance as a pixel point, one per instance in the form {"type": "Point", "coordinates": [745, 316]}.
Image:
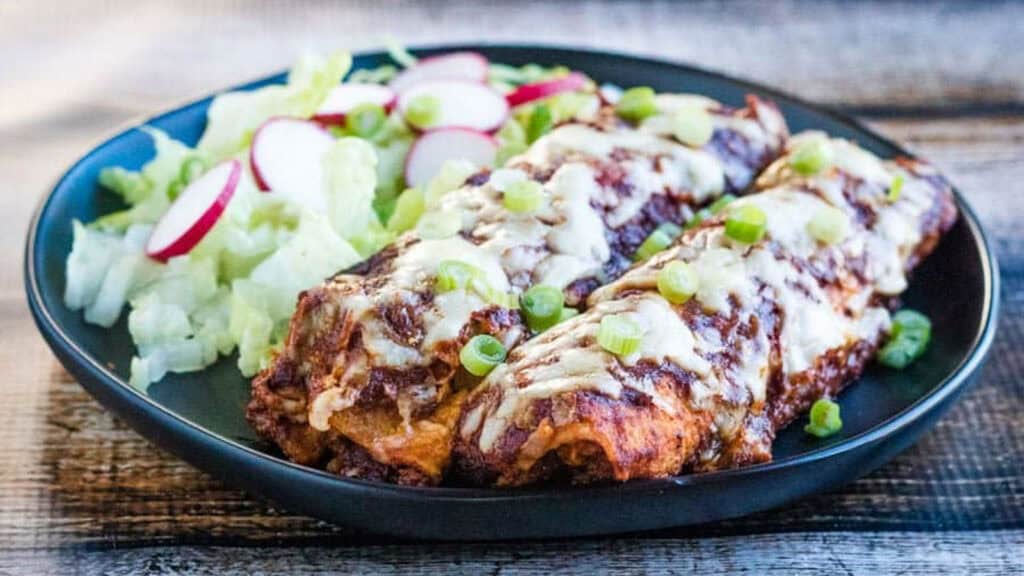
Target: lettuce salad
{"type": "Point", "coordinates": [236, 290]}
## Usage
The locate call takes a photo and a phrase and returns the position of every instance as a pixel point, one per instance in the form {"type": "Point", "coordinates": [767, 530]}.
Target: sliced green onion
{"type": "Point", "coordinates": [661, 238]}
{"type": "Point", "coordinates": [542, 306]}
{"type": "Point", "coordinates": [439, 224]}
{"type": "Point", "coordinates": [366, 120]}
{"type": "Point", "coordinates": [718, 205]}
{"type": "Point", "coordinates": [455, 275]}
{"type": "Point", "coordinates": [567, 313]}
{"type": "Point", "coordinates": [677, 282]}
{"type": "Point", "coordinates": [423, 111]}
{"type": "Point", "coordinates": [539, 124]}
{"type": "Point", "coordinates": [895, 188]}
{"type": "Point", "coordinates": [636, 104]}
{"type": "Point", "coordinates": [523, 196]}
{"type": "Point", "coordinates": [481, 354]}
{"type": "Point", "coordinates": [408, 209]}
{"type": "Point", "coordinates": [908, 339]}
{"type": "Point", "coordinates": [824, 419]}
{"type": "Point", "coordinates": [746, 224]}
{"type": "Point", "coordinates": [619, 335]}
{"type": "Point", "coordinates": [810, 158]}
{"type": "Point", "coordinates": [709, 211]}
{"type": "Point", "coordinates": [829, 225]}
{"type": "Point", "coordinates": [692, 126]}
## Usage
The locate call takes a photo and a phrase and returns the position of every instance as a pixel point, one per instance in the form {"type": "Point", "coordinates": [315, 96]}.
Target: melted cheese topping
{"type": "Point", "coordinates": [731, 274]}
{"type": "Point", "coordinates": [563, 241]}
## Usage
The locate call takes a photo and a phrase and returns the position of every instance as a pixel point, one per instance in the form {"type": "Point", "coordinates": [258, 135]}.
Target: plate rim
{"type": "Point", "coordinates": [951, 384]}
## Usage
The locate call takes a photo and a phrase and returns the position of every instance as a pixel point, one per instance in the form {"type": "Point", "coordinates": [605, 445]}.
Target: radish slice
{"type": "Point", "coordinates": [536, 91]}
{"type": "Point", "coordinates": [343, 98]}
{"type": "Point", "coordinates": [463, 104]}
{"type": "Point", "coordinates": [433, 148]}
{"type": "Point", "coordinates": [286, 158]}
{"type": "Point", "coordinates": [194, 212]}
{"type": "Point", "coordinates": [468, 66]}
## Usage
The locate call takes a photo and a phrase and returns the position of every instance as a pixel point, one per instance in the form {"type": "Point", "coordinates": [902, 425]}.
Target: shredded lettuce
{"type": "Point", "coordinates": [146, 192]}
{"type": "Point", "coordinates": [350, 177]}
{"type": "Point", "coordinates": [313, 253]}
{"type": "Point", "coordinates": [379, 75]}
{"type": "Point", "coordinates": [452, 175]}
{"type": "Point", "coordinates": [505, 78]}
{"type": "Point", "coordinates": [233, 117]}
{"type": "Point", "coordinates": [237, 289]}
{"type": "Point", "coordinates": [399, 54]}
{"type": "Point", "coordinates": [511, 141]}
{"type": "Point", "coordinates": [92, 253]}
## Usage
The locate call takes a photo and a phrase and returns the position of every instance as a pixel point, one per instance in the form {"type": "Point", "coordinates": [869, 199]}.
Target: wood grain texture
{"type": "Point", "coordinates": [843, 553]}
{"type": "Point", "coordinates": [77, 486]}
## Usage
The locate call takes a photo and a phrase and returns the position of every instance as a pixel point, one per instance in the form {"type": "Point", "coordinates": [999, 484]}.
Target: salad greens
{"type": "Point", "coordinates": [236, 290]}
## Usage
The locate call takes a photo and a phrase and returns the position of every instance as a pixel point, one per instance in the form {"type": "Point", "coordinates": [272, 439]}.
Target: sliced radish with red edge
{"type": "Point", "coordinates": [286, 159]}
{"type": "Point", "coordinates": [194, 212]}
{"type": "Point", "coordinates": [537, 90]}
{"type": "Point", "coordinates": [463, 104]}
{"type": "Point", "coordinates": [435, 147]}
{"type": "Point", "coordinates": [468, 66]}
{"type": "Point", "coordinates": [345, 97]}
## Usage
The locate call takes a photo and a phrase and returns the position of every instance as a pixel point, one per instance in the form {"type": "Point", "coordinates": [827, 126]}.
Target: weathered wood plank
{"type": "Point", "coordinates": [850, 554]}
{"type": "Point", "coordinates": [132, 54]}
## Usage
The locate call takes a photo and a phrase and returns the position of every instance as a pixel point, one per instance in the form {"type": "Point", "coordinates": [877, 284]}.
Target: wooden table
{"type": "Point", "coordinates": [82, 494]}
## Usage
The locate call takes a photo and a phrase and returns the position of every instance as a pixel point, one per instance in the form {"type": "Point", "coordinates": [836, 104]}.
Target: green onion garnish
{"type": "Point", "coordinates": [824, 419]}
{"type": "Point", "coordinates": [523, 196]}
{"type": "Point", "coordinates": [692, 126]}
{"type": "Point", "coordinates": [810, 158]}
{"type": "Point", "coordinates": [677, 282]}
{"type": "Point", "coordinates": [423, 111]}
{"type": "Point", "coordinates": [408, 209]}
{"type": "Point", "coordinates": [481, 354]}
{"type": "Point", "coordinates": [908, 339]}
{"type": "Point", "coordinates": [709, 211]}
{"type": "Point", "coordinates": [721, 203]}
{"type": "Point", "coordinates": [539, 124]}
{"type": "Point", "coordinates": [542, 306]}
{"type": "Point", "coordinates": [636, 104]}
{"type": "Point", "coordinates": [455, 275]}
{"type": "Point", "coordinates": [365, 120]}
{"type": "Point", "coordinates": [619, 335]}
{"type": "Point", "coordinates": [661, 238]}
{"type": "Point", "coordinates": [746, 224]}
{"type": "Point", "coordinates": [830, 225]}
{"type": "Point", "coordinates": [438, 225]}
{"type": "Point", "coordinates": [895, 188]}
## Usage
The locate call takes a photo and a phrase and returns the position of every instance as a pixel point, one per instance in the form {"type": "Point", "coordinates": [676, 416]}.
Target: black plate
{"type": "Point", "coordinates": [200, 416]}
